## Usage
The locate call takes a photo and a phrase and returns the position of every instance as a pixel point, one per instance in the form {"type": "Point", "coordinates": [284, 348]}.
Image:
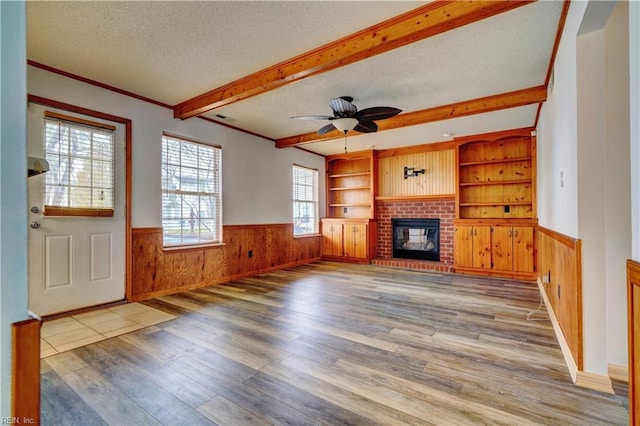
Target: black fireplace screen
{"type": "Point", "coordinates": [416, 239]}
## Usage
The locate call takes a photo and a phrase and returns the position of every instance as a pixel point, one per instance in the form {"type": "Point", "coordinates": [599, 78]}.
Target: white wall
{"type": "Point", "coordinates": [13, 188]}
{"type": "Point", "coordinates": [557, 137]}
{"type": "Point", "coordinates": [584, 132]}
{"type": "Point", "coordinates": [617, 180]}
{"type": "Point", "coordinates": [591, 196]}
{"type": "Point", "coordinates": [634, 91]}
{"type": "Point", "coordinates": [257, 181]}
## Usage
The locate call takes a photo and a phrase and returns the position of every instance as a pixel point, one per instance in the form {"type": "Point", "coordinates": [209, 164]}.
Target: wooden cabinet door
{"type": "Point", "coordinates": [482, 247]}
{"type": "Point", "coordinates": [355, 240]}
{"type": "Point", "coordinates": [502, 244]}
{"type": "Point", "coordinates": [523, 255]}
{"type": "Point", "coordinates": [332, 239]}
{"type": "Point", "coordinates": [463, 246]}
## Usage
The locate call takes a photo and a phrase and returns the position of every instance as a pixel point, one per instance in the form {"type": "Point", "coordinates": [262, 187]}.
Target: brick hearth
{"type": "Point", "coordinates": [443, 209]}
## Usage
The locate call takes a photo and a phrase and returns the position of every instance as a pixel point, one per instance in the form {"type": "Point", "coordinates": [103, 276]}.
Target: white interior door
{"type": "Point", "coordinates": [74, 261]}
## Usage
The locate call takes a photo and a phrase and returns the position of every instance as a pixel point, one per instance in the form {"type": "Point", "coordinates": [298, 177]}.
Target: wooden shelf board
{"type": "Point", "coordinates": [497, 203]}
{"type": "Point", "coordinates": [350, 174]}
{"type": "Point", "coordinates": [349, 188]}
{"type": "Point", "coordinates": [502, 160]}
{"type": "Point", "coordinates": [496, 182]}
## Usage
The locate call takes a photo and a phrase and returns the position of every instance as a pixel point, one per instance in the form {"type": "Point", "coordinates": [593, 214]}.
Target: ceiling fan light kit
{"type": "Point", "coordinates": [345, 124]}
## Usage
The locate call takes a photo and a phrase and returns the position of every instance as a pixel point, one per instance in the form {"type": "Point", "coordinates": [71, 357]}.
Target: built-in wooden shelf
{"type": "Point", "coordinates": [341, 175]}
{"type": "Point", "coordinates": [495, 160]}
{"type": "Point", "coordinates": [500, 203]}
{"type": "Point", "coordinates": [496, 182]}
{"type": "Point", "coordinates": [350, 188]}
{"type": "Point", "coordinates": [349, 230]}
{"type": "Point", "coordinates": [493, 170]}
{"type": "Point", "coordinates": [350, 205]}
{"type": "Point", "coordinates": [351, 185]}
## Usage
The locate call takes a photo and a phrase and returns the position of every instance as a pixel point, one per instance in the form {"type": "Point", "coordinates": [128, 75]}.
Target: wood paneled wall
{"type": "Point", "coordinates": [158, 272]}
{"type": "Point", "coordinates": [560, 271]}
{"type": "Point", "coordinates": [633, 297]}
{"type": "Point", "coordinates": [25, 372]}
{"type": "Point", "coordinates": [438, 161]}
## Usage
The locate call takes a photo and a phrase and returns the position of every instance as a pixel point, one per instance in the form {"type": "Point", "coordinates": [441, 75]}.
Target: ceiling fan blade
{"type": "Point", "coordinates": [378, 113]}
{"type": "Point", "coordinates": [366, 126]}
{"type": "Point", "coordinates": [312, 117]}
{"type": "Point", "coordinates": [326, 129]}
{"type": "Point", "coordinates": [342, 107]}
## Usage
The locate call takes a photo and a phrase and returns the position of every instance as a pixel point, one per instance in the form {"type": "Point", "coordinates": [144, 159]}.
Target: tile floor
{"type": "Point", "coordinates": [72, 332]}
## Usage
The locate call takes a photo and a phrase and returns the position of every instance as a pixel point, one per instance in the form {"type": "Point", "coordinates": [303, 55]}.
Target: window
{"type": "Point", "coordinates": [191, 192]}
{"type": "Point", "coordinates": [305, 200]}
{"type": "Point", "coordinates": [80, 181]}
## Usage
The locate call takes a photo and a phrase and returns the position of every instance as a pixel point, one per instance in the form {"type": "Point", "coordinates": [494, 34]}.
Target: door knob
{"type": "Point", "coordinates": [35, 224]}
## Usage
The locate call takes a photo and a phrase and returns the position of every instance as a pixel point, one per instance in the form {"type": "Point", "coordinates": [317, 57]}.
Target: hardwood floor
{"type": "Point", "coordinates": [331, 343]}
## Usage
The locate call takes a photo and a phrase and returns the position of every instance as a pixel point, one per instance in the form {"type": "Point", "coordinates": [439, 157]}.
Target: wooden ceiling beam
{"type": "Point", "coordinates": [423, 22]}
{"type": "Point", "coordinates": [513, 99]}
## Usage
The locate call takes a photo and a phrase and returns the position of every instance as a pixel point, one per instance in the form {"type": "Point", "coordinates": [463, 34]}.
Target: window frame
{"type": "Point", "coordinates": [216, 193]}
{"type": "Point", "coordinates": [315, 202]}
{"type": "Point", "coordinates": [93, 126]}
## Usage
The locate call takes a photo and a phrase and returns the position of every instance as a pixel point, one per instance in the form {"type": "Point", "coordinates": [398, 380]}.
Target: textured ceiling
{"type": "Point", "coordinates": [173, 51]}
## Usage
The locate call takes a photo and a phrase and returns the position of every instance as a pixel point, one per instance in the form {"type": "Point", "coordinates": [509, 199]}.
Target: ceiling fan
{"type": "Point", "coordinates": [347, 117]}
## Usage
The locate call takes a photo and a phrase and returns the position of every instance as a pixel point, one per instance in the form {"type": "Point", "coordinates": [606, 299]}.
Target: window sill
{"type": "Point", "coordinates": [307, 235]}
{"type": "Point", "coordinates": [192, 247]}
{"type": "Point", "coordinates": [53, 211]}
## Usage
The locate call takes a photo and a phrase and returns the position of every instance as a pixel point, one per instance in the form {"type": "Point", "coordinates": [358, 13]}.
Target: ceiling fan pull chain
{"type": "Point", "coordinates": [345, 141]}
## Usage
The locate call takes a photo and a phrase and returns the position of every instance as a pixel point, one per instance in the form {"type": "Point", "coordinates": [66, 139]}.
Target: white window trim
{"type": "Point", "coordinates": [315, 202]}
{"type": "Point", "coordinates": [217, 194]}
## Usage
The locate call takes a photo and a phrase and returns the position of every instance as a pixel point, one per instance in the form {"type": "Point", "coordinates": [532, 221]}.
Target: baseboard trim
{"type": "Point", "coordinates": [594, 381]}
{"type": "Point", "coordinates": [619, 372]}
{"type": "Point", "coordinates": [564, 346]}
{"type": "Point", "coordinates": [580, 378]}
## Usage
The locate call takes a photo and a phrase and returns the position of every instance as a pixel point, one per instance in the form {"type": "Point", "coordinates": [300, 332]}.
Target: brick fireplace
{"type": "Point", "coordinates": [443, 209]}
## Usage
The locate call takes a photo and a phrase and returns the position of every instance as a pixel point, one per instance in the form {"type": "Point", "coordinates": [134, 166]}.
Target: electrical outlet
{"type": "Point", "coordinates": [250, 254]}
{"type": "Point", "coordinates": [546, 279]}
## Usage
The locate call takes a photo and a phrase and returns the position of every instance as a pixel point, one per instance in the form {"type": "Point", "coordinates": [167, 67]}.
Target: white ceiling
{"type": "Point", "coordinates": [173, 51]}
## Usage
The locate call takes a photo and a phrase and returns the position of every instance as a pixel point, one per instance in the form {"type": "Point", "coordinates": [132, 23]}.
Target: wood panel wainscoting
{"type": "Point", "coordinates": [560, 282]}
{"type": "Point", "coordinates": [633, 298]}
{"type": "Point", "coordinates": [247, 250]}
{"type": "Point", "coordinates": [25, 372]}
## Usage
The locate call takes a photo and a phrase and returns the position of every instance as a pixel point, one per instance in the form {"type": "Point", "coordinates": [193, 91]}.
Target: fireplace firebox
{"type": "Point", "coordinates": [416, 239]}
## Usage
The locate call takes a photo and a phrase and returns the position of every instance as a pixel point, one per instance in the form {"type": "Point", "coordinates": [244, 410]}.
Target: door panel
{"type": "Point", "coordinates": [502, 248]}
{"type": "Point", "coordinates": [58, 261]}
{"type": "Point", "coordinates": [463, 246]}
{"type": "Point", "coordinates": [101, 264]}
{"type": "Point", "coordinates": [523, 255]}
{"type": "Point", "coordinates": [331, 239]}
{"type": "Point", "coordinates": [74, 262]}
{"type": "Point", "coordinates": [482, 247]}
{"type": "Point", "coordinates": [355, 240]}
